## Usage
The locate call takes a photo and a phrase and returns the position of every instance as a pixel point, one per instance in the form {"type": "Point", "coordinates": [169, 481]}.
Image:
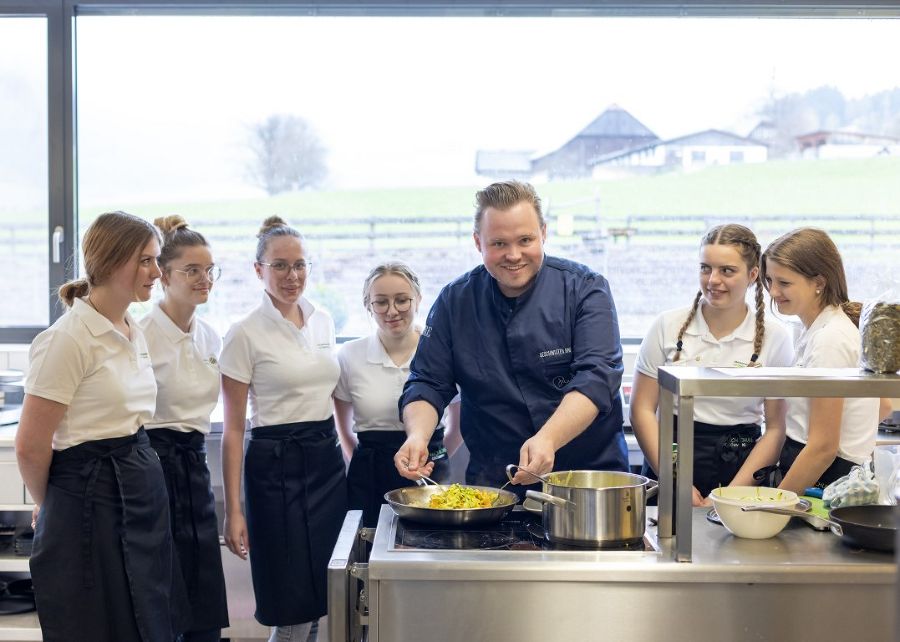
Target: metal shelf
{"type": "Point", "coordinates": [686, 383]}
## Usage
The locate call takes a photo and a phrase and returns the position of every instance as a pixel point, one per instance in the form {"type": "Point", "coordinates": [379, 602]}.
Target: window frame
{"type": "Point", "coordinates": [61, 16]}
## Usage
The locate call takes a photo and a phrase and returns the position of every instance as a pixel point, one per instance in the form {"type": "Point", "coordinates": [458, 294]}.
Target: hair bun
{"type": "Point", "coordinates": [269, 223]}
{"type": "Point", "coordinates": [170, 224]}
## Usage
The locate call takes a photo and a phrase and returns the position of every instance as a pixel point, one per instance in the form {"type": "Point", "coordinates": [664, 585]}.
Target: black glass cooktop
{"type": "Point", "coordinates": [520, 530]}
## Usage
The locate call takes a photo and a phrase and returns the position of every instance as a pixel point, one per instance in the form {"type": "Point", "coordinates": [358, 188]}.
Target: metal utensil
{"type": "Point", "coordinates": [510, 474]}
{"type": "Point", "coordinates": [426, 478]}
{"type": "Point", "coordinates": [499, 495]}
{"type": "Point", "coordinates": [815, 521]}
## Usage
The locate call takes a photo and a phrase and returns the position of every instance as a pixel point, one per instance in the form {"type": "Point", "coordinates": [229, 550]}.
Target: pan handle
{"type": "Point", "coordinates": [544, 498]}
{"type": "Point", "coordinates": [510, 474]}
{"type": "Point", "coordinates": [836, 529]}
{"type": "Point", "coordinates": [652, 488]}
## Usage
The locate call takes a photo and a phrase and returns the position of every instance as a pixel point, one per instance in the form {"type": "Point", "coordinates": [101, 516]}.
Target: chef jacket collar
{"type": "Point", "coordinates": [746, 330]}
{"type": "Point", "coordinates": [269, 309]}
{"type": "Point", "coordinates": [169, 329]}
{"type": "Point", "coordinates": [375, 353]}
{"type": "Point", "coordinates": [95, 322]}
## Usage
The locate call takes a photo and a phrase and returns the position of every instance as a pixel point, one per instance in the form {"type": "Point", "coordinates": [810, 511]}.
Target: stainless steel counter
{"type": "Point", "coordinates": [801, 584]}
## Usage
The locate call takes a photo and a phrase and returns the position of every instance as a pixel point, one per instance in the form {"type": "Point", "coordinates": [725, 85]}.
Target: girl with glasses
{"type": "Point", "coordinates": [718, 330]}
{"type": "Point", "coordinates": [184, 350]}
{"type": "Point", "coordinates": [103, 564]}
{"type": "Point", "coordinates": [373, 371]}
{"type": "Point", "coordinates": [281, 358]}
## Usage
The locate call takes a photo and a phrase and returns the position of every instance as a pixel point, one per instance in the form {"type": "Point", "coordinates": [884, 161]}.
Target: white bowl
{"type": "Point", "coordinates": [754, 524]}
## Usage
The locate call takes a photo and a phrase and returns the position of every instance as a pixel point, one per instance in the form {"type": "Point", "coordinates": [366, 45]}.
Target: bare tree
{"type": "Point", "coordinates": [287, 154]}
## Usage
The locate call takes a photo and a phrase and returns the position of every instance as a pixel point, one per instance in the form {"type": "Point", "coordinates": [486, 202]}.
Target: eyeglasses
{"type": "Point", "coordinates": [193, 273]}
{"type": "Point", "coordinates": [401, 304]}
{"type": "Point", "coordinates": [283, 267]}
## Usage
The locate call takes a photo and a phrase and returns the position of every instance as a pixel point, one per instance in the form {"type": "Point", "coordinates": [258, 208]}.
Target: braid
{"type": "Point", "coordinates": [760, 321]}
{"type": "Point", "coordinates": [687, 322]}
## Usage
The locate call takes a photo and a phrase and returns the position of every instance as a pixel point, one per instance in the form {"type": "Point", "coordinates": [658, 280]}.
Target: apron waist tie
{"type": "Point", "coordinates": [91, 470]}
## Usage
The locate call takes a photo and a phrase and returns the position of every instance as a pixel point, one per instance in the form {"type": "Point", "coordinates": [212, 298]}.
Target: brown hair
{"type": "Point", "coordinates": [811, 252]}
{"type": "Point", "coordinates": [272, 227]}
{"type": "Point", "coordinates": [108, 244]}
{"type": "Point", "coordinates": [742, 239]}
{"type": "Point", "coordinates": [504, 195]}
{"type": "Point", "coordinates": [176, 236]}
{"type": "Point", "coordinates": [398, 268]}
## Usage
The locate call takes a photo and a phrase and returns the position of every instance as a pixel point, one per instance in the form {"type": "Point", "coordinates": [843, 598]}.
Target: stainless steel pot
{"type": "Point", "coordinates": [593, 508]}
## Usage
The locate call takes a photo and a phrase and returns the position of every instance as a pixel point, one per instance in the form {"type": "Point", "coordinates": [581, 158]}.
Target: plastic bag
{"type": "Point", "coordinates": [879, 328]}
{"type": "Point", "coordinates": [857, 488]}
{"type": "Point", "coordinates": [886, 460]}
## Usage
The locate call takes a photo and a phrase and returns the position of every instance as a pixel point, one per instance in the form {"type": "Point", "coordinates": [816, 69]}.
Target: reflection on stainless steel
{"type": "Point", "coordinates": [512, 593]}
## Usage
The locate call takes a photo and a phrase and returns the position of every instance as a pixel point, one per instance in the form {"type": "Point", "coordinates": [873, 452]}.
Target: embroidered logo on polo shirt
{"type": "Point", "coordinates": [426, 331]}
{"type": "Point", "coordinates": [212, 362]}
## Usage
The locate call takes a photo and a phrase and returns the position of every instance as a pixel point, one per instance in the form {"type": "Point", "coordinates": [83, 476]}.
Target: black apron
{"type": "Point", "coordinates": [296, 498]}
{"type": "Point", "coordinates": [372, 472]}
{"type": "Point", "coordinates": [103, 564]}
{"type": "Point", "coordinates": [719, 453]}
{"type": "Point", "coordinates": [838, 468]}
{"type": "Point", "coordinates": [194, 524]}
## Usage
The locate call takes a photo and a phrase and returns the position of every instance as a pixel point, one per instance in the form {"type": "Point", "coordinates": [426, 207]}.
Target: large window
{"type": "Point", "coordinates": [24, 194]}
{"type": "Point", "coordinates": [371, 134]}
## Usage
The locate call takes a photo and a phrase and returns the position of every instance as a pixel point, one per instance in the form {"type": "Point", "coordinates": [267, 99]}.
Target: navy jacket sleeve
{"type": "Point", "coordinates": [597, 350]}
{"type": "Point", "coordinates": [431, 375]}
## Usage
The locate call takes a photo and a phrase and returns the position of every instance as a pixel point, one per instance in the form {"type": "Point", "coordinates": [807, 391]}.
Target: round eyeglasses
{"type": "Point", "coordinates": [194, 273]}
{"type": "Point", "coordinates": [283, 267]}
{"type": "Point", "coordinates": [381, 306]}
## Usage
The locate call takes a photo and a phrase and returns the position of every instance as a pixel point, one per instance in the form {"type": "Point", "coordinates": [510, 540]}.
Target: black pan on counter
{"type": "Point", "coordinates": [412, 504]}
{"type": "Point", "coordinates": [872, 527]}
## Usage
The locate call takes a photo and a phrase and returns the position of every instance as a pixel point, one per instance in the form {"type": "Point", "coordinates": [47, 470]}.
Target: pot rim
{"type": "Point", "coordinates": [637, 477]}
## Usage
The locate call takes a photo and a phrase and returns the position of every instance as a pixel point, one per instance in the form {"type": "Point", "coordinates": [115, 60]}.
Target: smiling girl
{"type": "Point", "coordinates": [281, 357]}
{"type": "Point", "coordinates": [718, 330]}
{"type": "Point", "coordinates": [804, 274]}
{"type": "Point", "coordinates": [373, 371]}
{"type": "Point", "coordinates": [184, 350]}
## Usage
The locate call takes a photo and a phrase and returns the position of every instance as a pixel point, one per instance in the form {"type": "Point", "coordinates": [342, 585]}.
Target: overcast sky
{"type": "Point", "coordinates": [164, 103]}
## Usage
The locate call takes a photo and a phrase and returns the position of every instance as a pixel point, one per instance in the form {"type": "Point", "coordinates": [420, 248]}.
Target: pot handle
{"type": "Point", "coordinates": [510, 474]}
{"type": "Point", "coordinates": [544, 498]}
{"type": "Point", "coordinates": [652, 488]}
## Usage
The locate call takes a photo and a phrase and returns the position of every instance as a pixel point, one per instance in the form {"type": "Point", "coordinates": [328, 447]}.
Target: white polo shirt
{"type": "Point", "coordinates": [701, 349]}
{"type": "Point", "coordinates": [106, 380]}
{"type": "Point", "coordinates": [186, 366]}
{"type": "Point", "coordinates": [833, 341]}
{"type": "Point", "coordinates": [292, 372]}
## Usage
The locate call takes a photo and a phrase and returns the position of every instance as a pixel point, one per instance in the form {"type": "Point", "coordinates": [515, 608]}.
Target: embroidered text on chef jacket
{"type": "Point", "coordinates": [292, 372]}
{"type": "Point", "coordinates": [701, 349]}
{"type": "Point", "coordinates": [833, 341]}
{"type": "Point", "coordinates": [186, 365]}
{"type": "Point", "coordinates": [105, 380]}
{"type": "Point", "coordinates": [514, 360]}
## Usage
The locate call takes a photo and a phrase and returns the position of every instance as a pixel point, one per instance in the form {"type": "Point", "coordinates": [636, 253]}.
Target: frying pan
{"type": "Point", "coordinates": [873, 526]}
{"type": "Point", "coordinates": [412, 504]}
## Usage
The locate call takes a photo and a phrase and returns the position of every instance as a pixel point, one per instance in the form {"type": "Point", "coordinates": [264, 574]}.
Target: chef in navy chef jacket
{"type": "Point", "coordinates": [532, 341]}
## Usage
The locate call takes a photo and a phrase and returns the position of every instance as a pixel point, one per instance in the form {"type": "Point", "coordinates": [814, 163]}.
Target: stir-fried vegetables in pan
{"type": "Point", "coordinates": [457, 496]}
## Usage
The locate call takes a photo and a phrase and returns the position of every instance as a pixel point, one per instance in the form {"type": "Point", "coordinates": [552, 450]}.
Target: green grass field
{"type": "Point", "coordinates": [779, 188]}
